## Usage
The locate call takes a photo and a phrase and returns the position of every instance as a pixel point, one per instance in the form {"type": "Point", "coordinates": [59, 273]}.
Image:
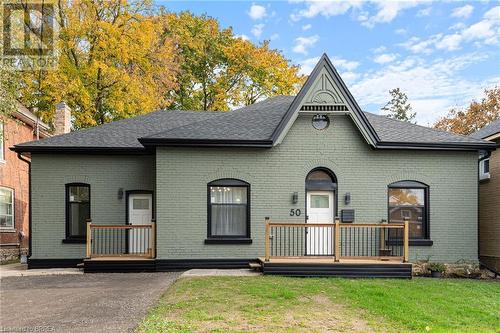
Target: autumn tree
{"type": "Point", "coordinates": [219, 71]}
{"type": "Point", "coordinates": [114, 63]}
{"type": "Point", "coordinates": [121, 58]}
{"type": "Point", "coordinates": [262, 72]}
{"type": "Point", "coordinates": [399, 107]}
{"type": "Point", "coordinates": [474, 117]}
{"type": "Point", "coordinates": [9, 87]}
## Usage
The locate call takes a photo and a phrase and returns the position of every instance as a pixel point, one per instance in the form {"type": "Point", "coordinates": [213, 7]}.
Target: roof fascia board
{"type": "Point", "coordinates": [206, 143]}
{"type": "Point", "coordinates": [80, 150]}
{"type": "Point", "coordinates": [291, 115]}
{"type": "Point", "coordinates": [492, 137]}
{"type": "Point", "coordinates": [435, 146]}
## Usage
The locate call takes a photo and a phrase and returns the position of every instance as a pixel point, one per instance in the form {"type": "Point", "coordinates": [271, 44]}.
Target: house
{"type": "Point", "coordinates": [489, 199]}
{"type": "Point", "coordinates": [299, 184]}
{"type": "Point", "coordinates": [21, 126]}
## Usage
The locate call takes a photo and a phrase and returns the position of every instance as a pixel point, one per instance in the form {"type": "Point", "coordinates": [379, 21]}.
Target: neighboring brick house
{"type": "Point", "coordinates": [19, 127]}
{"type": "Point", "coordinates": [489, 199]}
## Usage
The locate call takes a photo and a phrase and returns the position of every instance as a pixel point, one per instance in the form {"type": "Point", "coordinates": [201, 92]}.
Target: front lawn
{"type": "Point", "coordinates": [270, 304]}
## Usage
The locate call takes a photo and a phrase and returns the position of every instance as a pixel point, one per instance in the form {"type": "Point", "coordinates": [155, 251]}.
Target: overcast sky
{"type": "Point", "coordinates": [442, 54]}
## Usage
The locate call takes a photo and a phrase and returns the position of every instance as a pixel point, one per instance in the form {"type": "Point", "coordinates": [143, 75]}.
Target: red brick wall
{"type": "Point", "coordinates": [14, 174]}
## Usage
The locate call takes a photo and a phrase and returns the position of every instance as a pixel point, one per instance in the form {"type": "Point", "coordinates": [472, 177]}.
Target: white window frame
{"type": "Point", "coordinates": [13, 209]}
{"type": "Point", "coordinates": [482, 174]}
{"type": "Point", "coordinates": [2, 142]}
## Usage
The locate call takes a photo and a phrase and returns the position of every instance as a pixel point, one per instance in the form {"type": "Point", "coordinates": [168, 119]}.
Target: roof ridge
{"type": "Point", "coordinates": [421, 126]}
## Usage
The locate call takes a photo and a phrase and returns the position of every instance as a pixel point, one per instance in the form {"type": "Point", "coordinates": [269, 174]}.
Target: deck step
{"type": "Point", "coordinates": [255, 265]}
{"type": "Point", "coordinates": [382, 270]}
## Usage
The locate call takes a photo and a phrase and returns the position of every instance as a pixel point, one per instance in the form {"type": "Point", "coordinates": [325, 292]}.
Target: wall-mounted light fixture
{"type": "Point", "coordinates": [120, 193]}
{"type": "Point", "coordinates": [347, 198]}
{"type": "Point", "coordinates": [295, 197]}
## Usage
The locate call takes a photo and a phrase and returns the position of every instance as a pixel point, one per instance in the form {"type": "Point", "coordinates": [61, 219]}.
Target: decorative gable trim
{"type": "Point", "coordinates": [324, 90]}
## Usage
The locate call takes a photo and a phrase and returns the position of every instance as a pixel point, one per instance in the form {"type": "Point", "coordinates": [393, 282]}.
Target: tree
{"type": "Point", "coordinates": [398, 107]}
{"type": "Point", "coordinates": [9, 87]}
{"type": "Point", "coordinates": [219, 71]}
{"type": "Point", "coordinates": [118, 59]}
{"type": "Point", "coordinates": [474, 117]}
{"type": "Point", "coordinates": [114, 63]}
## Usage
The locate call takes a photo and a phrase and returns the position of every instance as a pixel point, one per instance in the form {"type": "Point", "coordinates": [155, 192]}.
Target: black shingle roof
{"type": "Point", "coordinates": [255, 123]}
{"type": "Point", "coordinates": [487, 130]}
{"type": "Point", "coordinates": [124, 133]}
{"type": "Point", "coordinates": [392, 130]}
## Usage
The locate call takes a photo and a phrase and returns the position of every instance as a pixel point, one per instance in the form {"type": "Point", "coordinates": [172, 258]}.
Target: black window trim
{"type": "Point", "coordinates": [412, 184]}
{"type": "Point", "coordinates": [69, 238]}
{"type": "Point", "coordinates": [228, 239]}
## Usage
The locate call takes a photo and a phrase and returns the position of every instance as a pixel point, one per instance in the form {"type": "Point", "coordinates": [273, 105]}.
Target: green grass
{"type": "Point", "coordinates": [279, 304]}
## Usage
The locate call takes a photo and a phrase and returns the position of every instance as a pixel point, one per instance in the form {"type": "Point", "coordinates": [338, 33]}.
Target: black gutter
{"type": "Point", "coordinates": [438, 146]}
{"type": "Point", "coordinates": [82, 150]}
{"type": "Point", "coordinates": [206, 143]}
{"type": "Point", "coordinates": [29, 204]}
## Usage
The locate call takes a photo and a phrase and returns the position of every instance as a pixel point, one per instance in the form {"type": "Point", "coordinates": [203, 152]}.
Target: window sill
{"type": "Point", "coordinates": [7, 230]}
{"type": "Point", "coordinates": [74, 241]}
{"type": "Point", "coordinates": [413, 242]}
{"type": "Point", "coordinates": [228, 240]}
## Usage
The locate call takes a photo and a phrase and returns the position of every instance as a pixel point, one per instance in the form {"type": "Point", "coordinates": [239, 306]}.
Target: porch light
{"type": "Point", "coordinates": [295, 197]}
{"type": "Point", "coordinates": [347, 198]}
{"type": "Point", "coordinates": [120, 193]}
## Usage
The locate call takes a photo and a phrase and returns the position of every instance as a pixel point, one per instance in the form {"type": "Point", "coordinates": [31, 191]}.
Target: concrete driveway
{"type": "Point", "coordinates": [79, 303]}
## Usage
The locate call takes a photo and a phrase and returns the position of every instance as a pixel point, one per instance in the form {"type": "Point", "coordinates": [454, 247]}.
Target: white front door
{"type": "Point", "coordinates": [140, 212]}
{"type": "Point", "coordinates": [320, 208]}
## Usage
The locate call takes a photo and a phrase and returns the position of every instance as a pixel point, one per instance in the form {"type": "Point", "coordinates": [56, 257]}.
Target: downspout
{"type": "Point", "coordinates": [20, 156]}
{"type": "Point", "coordinates": [485, 156]}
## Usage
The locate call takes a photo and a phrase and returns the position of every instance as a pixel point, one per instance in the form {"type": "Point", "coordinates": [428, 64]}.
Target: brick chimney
{"type": "Point", "coordinates": [62, 122]}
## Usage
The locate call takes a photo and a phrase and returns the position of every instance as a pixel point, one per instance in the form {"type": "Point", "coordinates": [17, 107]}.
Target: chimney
{"type": "Point", "coordinates": [62, 123]}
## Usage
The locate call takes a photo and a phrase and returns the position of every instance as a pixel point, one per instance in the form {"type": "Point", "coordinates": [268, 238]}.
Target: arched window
{"type": "Point", "coordinates": [321, 179]}
{"type": "Point", "coordinates": [409, 201]}
{"type": "Point", "coordinates": [228, 210]}
{"type": "Point", "coordinates": [77, 210]}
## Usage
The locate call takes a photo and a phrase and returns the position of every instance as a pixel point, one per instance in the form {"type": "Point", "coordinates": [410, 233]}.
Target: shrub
{"type": "Point", "coordinates": [437, 267]}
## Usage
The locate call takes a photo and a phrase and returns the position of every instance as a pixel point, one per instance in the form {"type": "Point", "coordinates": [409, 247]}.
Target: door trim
{"type": "Point", "coordinates": [335, 191]}
{"type": "Point", "coordinates": [128, 193]}
{"type": "Point", "coordinates": [127, 217]}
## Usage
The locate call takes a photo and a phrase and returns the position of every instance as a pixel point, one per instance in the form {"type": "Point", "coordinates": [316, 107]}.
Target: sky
{"type": "Point", "coordinates": [442, 54]}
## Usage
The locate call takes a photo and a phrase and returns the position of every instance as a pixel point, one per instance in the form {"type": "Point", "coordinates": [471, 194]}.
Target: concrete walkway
{"type": "Point", "coordinates": [13, 270]}
{"type": "Point", "coordinates": [219, 272]}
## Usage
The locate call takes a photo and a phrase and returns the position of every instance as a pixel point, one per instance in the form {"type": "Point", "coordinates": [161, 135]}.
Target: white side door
{"type": "Point", "coordinates": [140, 212]}
{"type": "Point", "coordinates": [320, 208]}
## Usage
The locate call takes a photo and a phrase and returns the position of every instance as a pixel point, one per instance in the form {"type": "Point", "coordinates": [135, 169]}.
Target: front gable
{"type": "Point", "coordinates": [325, 93]}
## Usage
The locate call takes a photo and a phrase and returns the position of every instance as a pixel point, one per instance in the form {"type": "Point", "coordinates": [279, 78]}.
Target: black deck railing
{"type": "Point", "coordinates": [337, 241]}
{"type": "Point", "coordinates": [120, 240]}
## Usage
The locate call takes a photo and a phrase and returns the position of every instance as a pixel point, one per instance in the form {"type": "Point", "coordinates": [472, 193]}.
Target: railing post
{"type": "Point", "coordinates": [153, 238]}
{"type": "Point", "coordinates": [337, 239]}
{"type": "Point", "coordinates": [406, 241]}
{"type": "Point", "coordinates": [89, 239]}
{"type": "Point", "coordinates": [267, 240]}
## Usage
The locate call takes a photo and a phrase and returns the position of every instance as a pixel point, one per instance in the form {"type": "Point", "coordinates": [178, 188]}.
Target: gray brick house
{"type": "Point", "coordinates": [311, 179]}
